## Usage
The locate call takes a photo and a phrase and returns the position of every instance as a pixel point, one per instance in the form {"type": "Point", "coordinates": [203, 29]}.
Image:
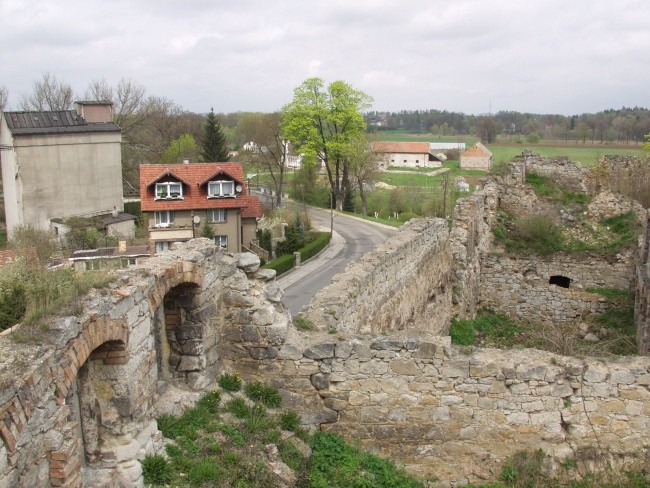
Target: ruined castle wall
{"type": "Point", "coordinates": [642, 297]}
{"type": "Point", "coordinates": [568, 175]}
{"type": "Point", "coordinates": [471, 236]}
{"type": "Point", "coordinates": [519, 286]}
{"type": "Point", "coordinates": [453, 413]}
{"type": "Point", "coordinates": [403, 284]}
{"type": "Point", "coordinates": [106, 365]}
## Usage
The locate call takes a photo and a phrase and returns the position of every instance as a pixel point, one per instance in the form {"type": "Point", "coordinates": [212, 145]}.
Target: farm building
{"type": "Point", "coordinates": [476, 157]}
{"type": "Point", "coordinates": [406, 154]}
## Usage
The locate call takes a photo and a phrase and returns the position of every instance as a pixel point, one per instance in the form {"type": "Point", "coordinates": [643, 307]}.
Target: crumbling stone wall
{"type": "Point", "coordinates": [471, 236]}
{"type": "Point", "coordinates": [519, 286]}
{"type": "Point", "coordinates": [561, 170]}
{"type": "Point", "coordinates": [453, 413]}
{"type": "Point", "coordinates": [403, 284]}
{"type": "Point", "coordinates": [103, 369]}
{"type": "Point", "coordinates": [642, 296]}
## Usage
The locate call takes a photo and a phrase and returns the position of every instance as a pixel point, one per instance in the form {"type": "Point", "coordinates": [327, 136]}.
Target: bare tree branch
{"type": "Point", "coordinates": [49, 93]}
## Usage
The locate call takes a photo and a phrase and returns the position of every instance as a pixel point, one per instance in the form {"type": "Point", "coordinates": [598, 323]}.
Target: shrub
{"type": "Point", "coordinates": [282, 264]}
{"type": "Point", "coordinates": [230, 381]}
{"type": "Point", "coordinates": [532, 138]}
{"type": "Point", "coordinates": [259, 392]}
{"type": "Point", "coordinates": [156, 470]}
{"type": "Point", "coordinates": [319, 242]}
{"type": "Point", "coordinates": [27, 237]}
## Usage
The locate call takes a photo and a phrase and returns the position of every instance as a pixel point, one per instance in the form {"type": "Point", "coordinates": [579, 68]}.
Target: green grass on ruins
{"type": "Point", "coordinates": [221, 443]}
{"type": "Point", "coordinates": [615, 329]}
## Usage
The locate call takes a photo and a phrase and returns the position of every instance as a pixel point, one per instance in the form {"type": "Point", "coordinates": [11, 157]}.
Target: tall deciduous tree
{"type": "Point", "coordinates": [214, 142]}
{"type": "Point", "coordinates": [364, 166]}
{"type": "Point", "coordinates": [184, 147]}
{"type": "Point", "coordinates": [321, 123]}
{"type": "Point", "coordinates": [487, 128]}
{"type": "Point", "coordinates": [49, 93]}
{"type": "Point", "coordinates": [270, 154]}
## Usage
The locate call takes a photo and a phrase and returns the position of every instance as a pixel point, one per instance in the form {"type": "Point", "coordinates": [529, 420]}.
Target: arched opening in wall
{"type": "Point", "coordinates": [560, 280]}
{"type": "Point", "coordinates": [184, 341]}
{"type": "Point", "coordinates": [100, 403]}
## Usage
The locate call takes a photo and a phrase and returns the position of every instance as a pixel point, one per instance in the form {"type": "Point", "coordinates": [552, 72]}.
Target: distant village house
{"type": "Point", "coordinates": [476, 157]}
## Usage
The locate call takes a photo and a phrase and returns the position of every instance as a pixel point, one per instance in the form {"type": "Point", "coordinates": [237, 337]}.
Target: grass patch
{"type": "Point", "coordinates": [208, 451]}
{"type": "Point", "coordinates": [336, 464]}
{"type": "Point", "coordinates": [260, 392]}
{"type": "Point", "coordinates": [303, 323]}
{"type": "Point", "coordinates": [230, 381]}
{"type": "Point", "coordinates": [488, 328]}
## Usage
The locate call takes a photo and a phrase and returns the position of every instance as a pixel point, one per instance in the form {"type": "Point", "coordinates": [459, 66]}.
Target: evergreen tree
{"type": "Point", "coordinates": [214, 142]}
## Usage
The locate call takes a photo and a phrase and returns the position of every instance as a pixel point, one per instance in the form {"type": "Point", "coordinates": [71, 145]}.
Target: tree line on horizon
{"type": "Point", "coordinates": [612, 125]}
{"type": "Point", "coordinates": [329, 123]}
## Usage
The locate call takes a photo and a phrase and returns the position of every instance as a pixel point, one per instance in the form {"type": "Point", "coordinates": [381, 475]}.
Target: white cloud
{"type": "Point", "coordinates": [551, 56]}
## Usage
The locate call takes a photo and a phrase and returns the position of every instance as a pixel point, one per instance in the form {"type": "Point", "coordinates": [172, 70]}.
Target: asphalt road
{"type": "Point", "coordinates": [360, 236]}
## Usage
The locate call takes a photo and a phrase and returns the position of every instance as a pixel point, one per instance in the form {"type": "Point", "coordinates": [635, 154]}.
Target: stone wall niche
{"type": "Point", "coordinates": [185, 339]}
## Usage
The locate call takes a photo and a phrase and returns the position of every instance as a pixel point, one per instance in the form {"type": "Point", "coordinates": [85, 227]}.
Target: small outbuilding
{"type": "Point", "coordinates": [476, 157]}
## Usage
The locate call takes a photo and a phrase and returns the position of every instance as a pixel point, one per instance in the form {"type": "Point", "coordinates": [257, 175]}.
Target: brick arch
{"type": "Point", "coordinates": [174, 275]}
{"type": "Point", "coordinates": [95, 332]}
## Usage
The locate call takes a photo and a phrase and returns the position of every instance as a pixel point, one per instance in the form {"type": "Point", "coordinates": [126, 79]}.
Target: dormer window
{"type": "Point", "coordinates": [218, 189]}
{"type": "Point", "coordinates": [169, 190]}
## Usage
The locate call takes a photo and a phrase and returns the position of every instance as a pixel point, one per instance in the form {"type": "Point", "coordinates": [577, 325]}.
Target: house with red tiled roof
{"type": "Point", "coordinates": [405, 154]}
{"type": "Point", "coordinates": [476, 157]}
{"type": "Point", "coordinates": [181, 200]}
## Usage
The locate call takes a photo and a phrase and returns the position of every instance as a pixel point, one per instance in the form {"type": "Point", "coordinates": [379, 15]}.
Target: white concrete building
{"type": "Point", "coordinates": [62, 164]}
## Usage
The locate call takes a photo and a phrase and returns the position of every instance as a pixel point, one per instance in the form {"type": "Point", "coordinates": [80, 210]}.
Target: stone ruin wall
{"type": "Point", "coordinates": [519, 286]}
{"type": "Point", "coordinates": [456, 413]}
{"type": "Point", "coordinates": [561, 170]}
{"type": "Point", "coordinates": [378, 293]}
{"type": "Point", "coordinates": [84, 394]}
{"type": "Point", "coordinates": [642, 296]}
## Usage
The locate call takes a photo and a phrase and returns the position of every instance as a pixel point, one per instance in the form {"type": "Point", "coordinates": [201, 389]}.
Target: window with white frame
{"type": "Point", "coordinates": [169, 189]}
{"type": "Point", "coordinates": [162, 246]}
{"type": "Point", "coordinates": [164, 218]}
{"type": "Point", "coordinates": [94, 265]}
{"type": "Point", "coordinates": [221, 241]}
{"type": "Point", "coordinates": [221, 189]}
{"type": "Point", "coordinates": [216, 215]}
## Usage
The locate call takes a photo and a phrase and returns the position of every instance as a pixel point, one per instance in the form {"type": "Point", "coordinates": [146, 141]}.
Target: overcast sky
{"type": "Point", "coordinates": [473, 56]}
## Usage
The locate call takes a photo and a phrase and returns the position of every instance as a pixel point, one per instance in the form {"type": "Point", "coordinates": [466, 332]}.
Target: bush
{"type": "Point", "coordinates": [320, 241]}
{"type": "Point", "coordinates": [27, 237]}
{"type": "Point", "coordinates": [532, 138]}
{"type": "Point", "coordinates": [282, 264]}
{"type": "Point", "coordinates": [302, 323]}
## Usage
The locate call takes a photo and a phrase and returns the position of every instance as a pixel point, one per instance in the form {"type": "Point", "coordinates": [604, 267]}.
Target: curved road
{"type": "Point", "coordinates": [360, 236]}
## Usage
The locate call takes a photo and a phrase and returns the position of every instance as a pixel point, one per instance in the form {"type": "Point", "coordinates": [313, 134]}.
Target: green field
{"type": "Point", "coordinates": [586, 154]}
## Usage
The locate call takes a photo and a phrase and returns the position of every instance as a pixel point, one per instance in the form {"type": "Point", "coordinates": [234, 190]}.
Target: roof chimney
{"type": "Point", "coordinates": [186, 161]}
{"type": "Point", "coordinates": [95, 112]}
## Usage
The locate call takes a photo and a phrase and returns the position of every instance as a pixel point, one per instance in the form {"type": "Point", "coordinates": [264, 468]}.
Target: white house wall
{"type": "Point", "coordinates": [11, 184]}
{"type": "Point", "coordinates": [410, 160]}
{"type": "Point", "coordinates": [64, 176]}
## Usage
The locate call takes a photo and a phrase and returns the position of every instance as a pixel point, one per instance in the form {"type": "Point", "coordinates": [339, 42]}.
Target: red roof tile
{"type": "Point", "coordinates": [401, 147]}
{"type": "Point", "coordinates": [195, 196]}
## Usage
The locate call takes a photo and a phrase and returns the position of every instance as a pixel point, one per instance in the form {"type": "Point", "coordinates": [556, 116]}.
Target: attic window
{"type": "Point", "coordinates": [221, 189]}
{"type": "Point", "coordinates": [559, 280]}
{"type": "Point", "coordinates": [169, 190]}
